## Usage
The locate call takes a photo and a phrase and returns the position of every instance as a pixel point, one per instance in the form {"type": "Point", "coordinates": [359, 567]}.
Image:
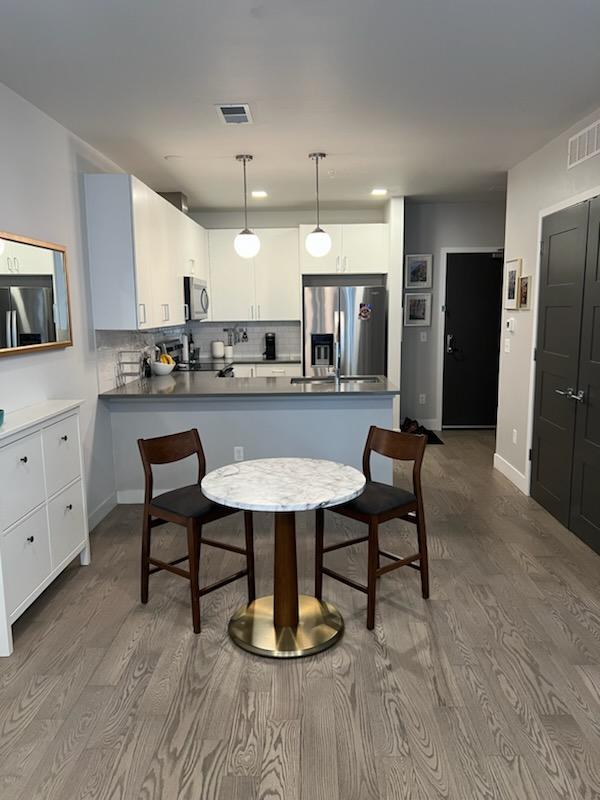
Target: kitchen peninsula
{"type": "Point", "coordinates": [265, 417]}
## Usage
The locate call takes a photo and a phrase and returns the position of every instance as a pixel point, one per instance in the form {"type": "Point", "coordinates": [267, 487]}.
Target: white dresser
{"type": "Point", "coordinates": [43, 517]}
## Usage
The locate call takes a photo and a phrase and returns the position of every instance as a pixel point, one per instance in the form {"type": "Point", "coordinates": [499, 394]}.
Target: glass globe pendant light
{"type": "Point", "coordinates": [246, 243]}
{"type": "Point", "coordinates": [318, 242]}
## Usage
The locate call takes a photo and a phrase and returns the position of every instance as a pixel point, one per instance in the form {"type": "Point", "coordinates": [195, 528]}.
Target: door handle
{"type": "Point", "coordinates": [449, 341]}
{"type": "Point", "coordinates": [578, 397]}
{"type": "Point", "coordinates": [8, 329]}
{"type": "Point", "coordinates": [568, 393]}
{"type": "Point", "coordinates": [15, 341]}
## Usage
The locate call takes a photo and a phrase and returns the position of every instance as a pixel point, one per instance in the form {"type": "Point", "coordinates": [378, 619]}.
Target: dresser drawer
{"type": "Point", "coordinates": [21, 478]}
{"type": "Point", "coordinates": [67, 524]}
{"type": "Point", "coordinates": [278, 370]}
{"type": "Point", "coordinates": [25, 558]}
{"type": "Point", "coordinates": [61, 454]}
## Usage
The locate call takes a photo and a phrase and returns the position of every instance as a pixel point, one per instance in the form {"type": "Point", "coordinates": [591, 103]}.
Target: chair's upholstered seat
{"type": "Point", "coordinates": [188, 501]}
{"type": "Point", "coordinates": [378, 498]}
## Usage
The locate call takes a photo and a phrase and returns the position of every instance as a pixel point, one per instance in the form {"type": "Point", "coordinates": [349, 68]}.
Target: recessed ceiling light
{"type": "Point", "coordinates": [259, 194]}
{"type": "Point", "coordinates": [379, 192]}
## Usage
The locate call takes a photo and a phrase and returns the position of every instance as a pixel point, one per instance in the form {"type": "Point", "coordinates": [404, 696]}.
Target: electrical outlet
{"type": "Point", "coordinates": [514, 435]}
{"type": "Point", "coordinates": [238, 453]}
{"type": "Point", "coordinates": [423, 336]}
{"type": "Point", "coordinates": [507, 345]}
{"type": "Point", "coordinates": [422, 399]}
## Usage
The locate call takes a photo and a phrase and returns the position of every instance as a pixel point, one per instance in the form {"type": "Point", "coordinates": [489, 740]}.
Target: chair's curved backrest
{"type": "Point", "coordinates": [167, 450]}
{"type": "Point", "coordinates": [397, 445]}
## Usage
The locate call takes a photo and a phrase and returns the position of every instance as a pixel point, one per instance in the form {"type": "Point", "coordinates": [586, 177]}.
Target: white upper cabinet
{"type": "Point", "coordinates": [266, 287]}
{"type": "Point", "coordinates": [231, 279]}
{"type": "Point", "coordinates": [23, 259]}
{"type": "Point", "coordinates": [276, 275]}
{"type": "Point", "coordinates": [329, 263]}
{"type": "Point", "coordinates": [355, 248]}
{"type": "Point", "coordinates": [139, 248]}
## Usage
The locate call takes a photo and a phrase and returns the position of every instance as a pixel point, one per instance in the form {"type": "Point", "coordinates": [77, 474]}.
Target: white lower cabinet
{"type": "Point", "coordinates": [278, 370]}
{"type": "Point", "coordinates": [67, 523]}
{"type": "Point", "coordinates": [262, 370]}
{"type": "Point", "coordinates": [43, 517]}
{"type": "Point", "coordinates": [25, 558]}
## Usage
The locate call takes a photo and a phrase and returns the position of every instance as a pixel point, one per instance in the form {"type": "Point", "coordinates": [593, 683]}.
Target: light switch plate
{"type": "Point", "coordinates": [423, 336]}
{"type": "Point", "coordinates": [507, 345]}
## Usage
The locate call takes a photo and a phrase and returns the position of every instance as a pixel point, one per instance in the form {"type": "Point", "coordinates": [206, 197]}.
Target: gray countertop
{"type": "Point", "coordinates": [201, 384]}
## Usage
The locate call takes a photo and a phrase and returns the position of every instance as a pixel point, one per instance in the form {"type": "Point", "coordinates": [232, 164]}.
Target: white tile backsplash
{"type": "Point", "coordinates": [110, 343]}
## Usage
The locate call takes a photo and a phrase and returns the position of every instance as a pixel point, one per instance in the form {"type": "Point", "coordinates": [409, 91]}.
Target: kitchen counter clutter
{"type": "Point", "coordinates": [43, 517]}
{"type": "Point", "coordinates": [182, 385]}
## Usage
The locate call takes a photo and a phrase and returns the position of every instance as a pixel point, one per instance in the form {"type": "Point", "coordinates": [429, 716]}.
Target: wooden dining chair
{"type": "Point", "coordinates": [188, 507]}
{"type": "Point", "coordinates": [379, 503]}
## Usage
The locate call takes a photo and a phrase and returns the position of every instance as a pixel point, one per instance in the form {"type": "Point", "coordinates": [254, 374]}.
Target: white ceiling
{"type": "Point", "coordinates": [426, 97]}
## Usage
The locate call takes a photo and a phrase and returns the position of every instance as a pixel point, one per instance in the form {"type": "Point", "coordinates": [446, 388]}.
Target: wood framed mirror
{"type": "Point", "coordinates": [35, 308]}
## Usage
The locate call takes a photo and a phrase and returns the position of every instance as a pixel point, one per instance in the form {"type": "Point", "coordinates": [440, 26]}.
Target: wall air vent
{"type": "Point", "coordinates": [234, 113]}
{"type": "Point", "coordinates": [584, 145]}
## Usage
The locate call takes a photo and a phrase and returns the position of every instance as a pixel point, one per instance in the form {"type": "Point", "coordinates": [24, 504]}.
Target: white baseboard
{"type": "Point", "coordinates": [101, 511]}
{"type": "Point", "coordinates": [514, 476]}
{"type": "Point", "coordinates": [131, 496]}
{"type": "Point", "coordinates": [431, 424]}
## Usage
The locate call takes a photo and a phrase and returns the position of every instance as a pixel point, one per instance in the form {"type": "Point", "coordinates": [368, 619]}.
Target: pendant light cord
{"type": "Point", "coordinates": [317, 185]}
{"type": "Point", "coordinates": [245, 198]}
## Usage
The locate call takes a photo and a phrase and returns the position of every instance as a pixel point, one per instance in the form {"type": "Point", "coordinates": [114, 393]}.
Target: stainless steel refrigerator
{"type": "Point", "coordinates": [348, 319]}
{"type": "Point", "coordinates": [26, 315]}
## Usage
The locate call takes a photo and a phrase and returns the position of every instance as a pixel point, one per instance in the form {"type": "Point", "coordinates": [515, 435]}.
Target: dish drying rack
{"type": "Point", "coordinates": [126, 360]}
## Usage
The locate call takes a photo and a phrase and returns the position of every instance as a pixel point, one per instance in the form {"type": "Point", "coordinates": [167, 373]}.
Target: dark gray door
{"type": "Point", "coordinates": [564, 240]}
{"type": "Point", "coordinates": [473, 307]}
{"type": "Point", "coordinates": [585, 495]}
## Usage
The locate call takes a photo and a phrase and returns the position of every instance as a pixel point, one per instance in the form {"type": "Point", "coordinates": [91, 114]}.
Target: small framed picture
{"type": "Point", "coordinates": [512, 274]}
{"type": "Point", "coordinates": [525, 292]}
{"type": "Point", "coordinates": [417, 309]}
{"type": "Point", "coordinates": [418, 271]}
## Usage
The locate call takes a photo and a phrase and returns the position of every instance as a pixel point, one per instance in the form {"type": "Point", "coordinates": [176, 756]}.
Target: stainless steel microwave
{"type": "Point", "coordinates": [196, 300]}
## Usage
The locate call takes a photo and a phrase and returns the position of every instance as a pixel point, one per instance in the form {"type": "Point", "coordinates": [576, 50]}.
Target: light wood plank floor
{"type": "Point", "coordinates": [489, 690]}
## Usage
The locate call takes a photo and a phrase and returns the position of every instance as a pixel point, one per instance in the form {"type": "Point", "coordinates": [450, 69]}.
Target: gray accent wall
{"type": "Point", "coordinates": [430, 227]}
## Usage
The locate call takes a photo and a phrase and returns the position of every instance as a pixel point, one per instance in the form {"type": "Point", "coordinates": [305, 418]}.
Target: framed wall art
{"type": "Point", "coordinates": [417, 309]}
{"type": "Point", "coordinates": [525, 292]}
{"type": "Point", "coordinates": [418, 269]}
{"type": "Point", "coordinates": [512, 274]}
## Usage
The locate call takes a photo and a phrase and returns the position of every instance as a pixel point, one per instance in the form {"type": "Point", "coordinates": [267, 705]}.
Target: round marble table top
{"type": "Point", "coordinates": [283, 484]}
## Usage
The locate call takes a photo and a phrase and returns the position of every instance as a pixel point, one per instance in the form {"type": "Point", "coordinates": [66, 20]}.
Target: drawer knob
{"type": "Point", "coordinates": [70, 507]}
{"type": "Point", "coordinates": [64, 438]}
{"type": "Point", "coordinates": [24, 459]}
{"type": "Point", "coordinates": [31, 538]}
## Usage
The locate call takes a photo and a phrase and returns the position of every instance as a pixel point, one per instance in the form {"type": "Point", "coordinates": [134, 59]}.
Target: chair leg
{"type": "Point", "coordinates": [372, 573]}
{"type": "Point", "coordinates": [145, 576]}
{"type": "Point", "coordinates": [249, 529]}
{"type": "Point", "coordinates": [319, 528]}
{"type": "Point", "coordinates": [423, 560]}
{"type": "Point", "coordinates": [193, 537]}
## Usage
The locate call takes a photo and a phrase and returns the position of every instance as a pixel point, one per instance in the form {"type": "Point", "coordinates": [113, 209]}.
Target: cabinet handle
{"type": "Point", "coordinates": [251, 312]}
{"type": "Point", "coordinates": [337, 263]}
{"type": "Point", "coordinates": [142, 307]}
{"type": "Point", "coordinates": [70, 507]}
{"type": "Point", "coordinates": [345, 262]}
{"type": "Point", "coordinates": [64, 438]}
{"type": "Point", "coordinates": [258, 316]}
{"type": "Point", "coordinates": [168, 312]}
{"type": "Point", "coordinates": [186, 311]}
{"type": "Point", "coordinates": [31, 539]}
{"type": "Point", "coordinates": [24, 459]}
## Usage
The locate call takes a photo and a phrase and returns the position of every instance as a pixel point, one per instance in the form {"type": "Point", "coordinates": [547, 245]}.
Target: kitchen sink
{"type": "Point", "coordinates": [343, 379]}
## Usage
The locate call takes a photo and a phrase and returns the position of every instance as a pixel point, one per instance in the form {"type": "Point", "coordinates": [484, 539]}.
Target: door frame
{"type": "Point", "coordinates": [444, 252]}
{"type": "Point", "coordinates": [581, 197]}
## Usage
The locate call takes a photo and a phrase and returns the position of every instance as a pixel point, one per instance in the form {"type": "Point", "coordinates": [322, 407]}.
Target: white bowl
{"type": "Point", "coordinates": [158, 368]}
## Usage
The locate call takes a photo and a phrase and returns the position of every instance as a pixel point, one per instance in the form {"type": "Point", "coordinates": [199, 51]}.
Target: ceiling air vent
{"type": "Point", "coordinates": [584, 145]}
{"type": "Point", "coordinates": [234, 113]}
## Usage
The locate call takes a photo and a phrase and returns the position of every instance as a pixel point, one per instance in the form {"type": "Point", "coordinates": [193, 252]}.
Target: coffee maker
{"type": "Point", "coordinates": [270, 352]}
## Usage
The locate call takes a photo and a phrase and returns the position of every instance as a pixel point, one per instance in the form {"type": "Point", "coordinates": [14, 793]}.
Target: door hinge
{"type": "Point", "coordinates": [535, 353]}
{"type": "Point", "coordinates": [530, 453]}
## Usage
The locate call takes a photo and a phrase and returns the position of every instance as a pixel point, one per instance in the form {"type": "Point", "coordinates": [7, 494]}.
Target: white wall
{"type": "Point", "coordinates": [430, 227]}
{"type": "Point", "coordinates": [539, 184]}
{"type": "Point", "coordinates": [270, 218]}
{"type": "Point", "coordinates": [41, 164]}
